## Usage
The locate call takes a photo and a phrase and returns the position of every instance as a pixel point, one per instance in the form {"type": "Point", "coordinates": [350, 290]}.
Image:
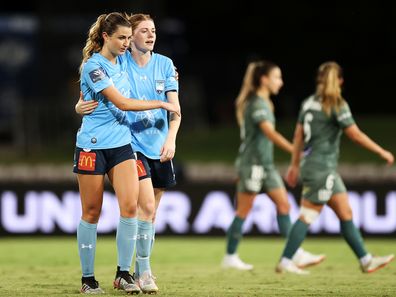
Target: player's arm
{"type": "Point", "coordinates": [269, 130]}
{"type": "Point", "coordinates": [294, 168]}
{"type": "Point", "coordinates": [85, 107]}
{"type": "Point", "coordinates": [123, 103]}
{"type": "Point", "coordinates": [356, 135]}
{"type": "Point", "coordinates": [169, 148]}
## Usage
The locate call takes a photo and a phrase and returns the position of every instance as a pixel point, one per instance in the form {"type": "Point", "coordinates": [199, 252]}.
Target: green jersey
{"type": "Point", "coordinates": [322, 133]}
{"type": "Point", "coordinates": [256, 148]}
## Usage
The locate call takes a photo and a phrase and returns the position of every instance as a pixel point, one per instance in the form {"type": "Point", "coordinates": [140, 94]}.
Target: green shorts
{"type": "Point", "coordinates": [320, 186]}
{"type": "Point", "coordinates": [257, 178]}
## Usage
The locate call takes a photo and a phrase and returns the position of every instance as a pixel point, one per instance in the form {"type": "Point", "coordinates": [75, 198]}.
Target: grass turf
{"type": "Point", "coordinates": [191, 267]}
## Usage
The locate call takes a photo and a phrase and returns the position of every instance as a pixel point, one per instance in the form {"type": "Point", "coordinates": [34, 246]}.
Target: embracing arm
{"type": "Point", "coordinates": [169, 148]}
{"type": "Point", "coordinates": [85, 107]}
{"type": "Point", "coordinates": [123, 103]}
{"type": "Point", "coordinates": [356, 135]}
{"type": "Point", "coordinates": [268, 129]}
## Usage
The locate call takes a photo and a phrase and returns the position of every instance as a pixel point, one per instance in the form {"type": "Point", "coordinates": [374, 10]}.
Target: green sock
{"type": "Point", "coordinates": [234, 235]}
{"type": "Point", "coordinates": [353, 238]}
{"type": "Point", "coordinates": [284, 224]}
{"type": "Point", "coordinates": [296, 236]}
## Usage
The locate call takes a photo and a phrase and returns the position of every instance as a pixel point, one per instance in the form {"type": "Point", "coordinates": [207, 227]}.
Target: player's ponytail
{"type": "Point", "coordinates": [250, 85]}
{"type": "Point", "coordinates": [104, 23]}
{"type": "Point", "coordinates": [328, 86]}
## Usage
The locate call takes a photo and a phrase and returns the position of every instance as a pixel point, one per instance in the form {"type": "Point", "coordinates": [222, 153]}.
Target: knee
{"type": "Point", "coordinates": [283, 207]}
{"type": "Point", "coordinates": [147, 210]}
{"type": "Point", "coordinates": [308, 215]}
{"type": "Point", "coordinates": [91, 214]}
{"type": "Point", "coordinates": [128, 210]}
{"type": "Point", "coordinates": [243, 212]}
{"type": "Point", "coordinates": [345, 214]}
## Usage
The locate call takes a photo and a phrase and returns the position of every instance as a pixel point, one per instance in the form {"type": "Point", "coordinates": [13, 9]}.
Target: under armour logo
{"type": "Point", "coordinates": [143, 236]}
{"type": "Point", "coordinates": [88, 246]}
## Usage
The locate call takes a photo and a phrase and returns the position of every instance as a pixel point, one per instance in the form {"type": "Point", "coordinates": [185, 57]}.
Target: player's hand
{"type": "Point", "coordinates": [171, 107]}
{"type": "Point", "coordinates": [388, 157]}
{"type": "Point", "coordinates": [85, 107]}
{"type": "Point", "coordinates": [176, 74]}
{"type": "Point", "coordinates": [292, 176]}
{"type": "Point", "coordinates": [168, 151]}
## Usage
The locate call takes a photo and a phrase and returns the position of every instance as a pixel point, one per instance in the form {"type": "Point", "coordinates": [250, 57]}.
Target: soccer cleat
{"type": "Point", "coordinates": [377, 263]}
{"type": "Point", "coordinates": [304, 259]}
{"type": "Point", "coordinates": [289, 267]}
{"type": "Point", "coordinates": [124, 281]}
{"type": "Point", "coordinates": [233, 261]}
{"type": "Point", "coordinates": [90, 286]}
{"type": "Point", "coordinates": [147, 284]}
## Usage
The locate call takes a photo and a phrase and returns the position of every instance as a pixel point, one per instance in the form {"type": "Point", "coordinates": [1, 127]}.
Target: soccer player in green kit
{"type": "Point", "coordinates": [255, 165]}
{"type": "Point", "coordinates": [322, 119]}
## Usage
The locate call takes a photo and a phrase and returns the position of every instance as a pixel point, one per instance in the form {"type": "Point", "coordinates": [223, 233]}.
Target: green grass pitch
{"type": "Point", "coordinates": [191, 267]}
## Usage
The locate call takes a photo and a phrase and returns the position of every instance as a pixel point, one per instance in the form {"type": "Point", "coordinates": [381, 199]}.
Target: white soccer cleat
{"type": "Point", "coordinates": [377, 263]}
{"type": "Point", "coordinates": [233, 261]}
{"type": "Point", "coordinates": [288, 266]}
{"type": "Point", "coordinates": [147, 283]}
{"type": "Point", "coordinates": [304, 259]}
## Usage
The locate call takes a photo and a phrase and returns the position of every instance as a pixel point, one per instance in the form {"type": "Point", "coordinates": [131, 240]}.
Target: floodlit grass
{"type": "Point", "coordinates": [190, 267]}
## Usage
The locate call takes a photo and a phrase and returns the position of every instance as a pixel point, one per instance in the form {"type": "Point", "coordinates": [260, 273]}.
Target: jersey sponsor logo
{"type": "Point", "coordinates": [87, 161]}
{"type": "Point", "coordinates": [260, 113]}
{"type": "Point", "coordinates": [159, 86]}
{"type": "Point", "coordinates": [140, 168]}
{"type": "Point", "coordinates": [344, 116]}
{"type": "Point", "coordinates": [97, 74]}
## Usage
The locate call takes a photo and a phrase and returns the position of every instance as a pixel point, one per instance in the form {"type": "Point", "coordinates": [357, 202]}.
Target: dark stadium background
{"type": "Point", "coordinates": [211, 43]}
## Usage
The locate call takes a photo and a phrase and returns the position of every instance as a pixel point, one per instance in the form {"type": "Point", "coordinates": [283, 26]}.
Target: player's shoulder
{"type": "Point", "coordinates": [92, 63]}
{"type": "Point", "coordinates": [312, 102]}
{"type": "Point", "coordinates": [161, 58]}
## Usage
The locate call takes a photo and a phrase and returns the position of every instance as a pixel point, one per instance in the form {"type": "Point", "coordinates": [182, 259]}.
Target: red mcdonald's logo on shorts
{"type": "Point", "coordinates": [140, 168]}
{"type": "Point", "coordinates": [87, 161]}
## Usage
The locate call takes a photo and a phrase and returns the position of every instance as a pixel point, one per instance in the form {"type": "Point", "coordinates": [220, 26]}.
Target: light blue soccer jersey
{"type": "Point", "coordinates": [149, 128]}
{"type": "Point", "coordinates": [106, 127]}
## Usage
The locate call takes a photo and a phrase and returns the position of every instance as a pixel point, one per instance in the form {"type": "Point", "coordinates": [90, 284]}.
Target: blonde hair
{"type": "Point", "coordinates": [251, 83]}
{"type": "Point", "coordinates": [104, 23]}
{"type": "Point", "coordinates": [328, 86]}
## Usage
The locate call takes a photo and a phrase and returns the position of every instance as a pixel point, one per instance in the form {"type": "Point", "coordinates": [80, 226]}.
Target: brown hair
{"type": "Point", "coordinates": [137, 18]}
{"type": "Point", "coordinates": [251, 83]}
{"type": "Point", "coordinates": [104, 23]}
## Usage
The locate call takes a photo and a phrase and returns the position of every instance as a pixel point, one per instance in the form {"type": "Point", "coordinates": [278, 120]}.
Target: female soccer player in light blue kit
{"type": "Point", "coordinates": [103, 146]}
{"type": "Point", "coordinates": [153, 135]}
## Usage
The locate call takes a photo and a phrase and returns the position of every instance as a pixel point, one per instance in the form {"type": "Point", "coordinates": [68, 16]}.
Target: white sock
{"type": "Point", "coordinates": [365, 259]}
{"type": "Point", "coordinates": [285, 261]}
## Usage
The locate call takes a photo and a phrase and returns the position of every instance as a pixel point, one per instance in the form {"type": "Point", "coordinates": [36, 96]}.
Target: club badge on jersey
{"type": "Point", "coordinates": [159, 86]}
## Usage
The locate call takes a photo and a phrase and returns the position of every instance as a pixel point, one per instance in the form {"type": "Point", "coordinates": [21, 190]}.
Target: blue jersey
{"type": "Point", "coordinates": [106, 127]}
{"type": "Point", "coordinates": [149, 128]}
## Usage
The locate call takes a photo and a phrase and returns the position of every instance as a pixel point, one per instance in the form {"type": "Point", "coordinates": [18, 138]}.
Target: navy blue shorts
{"type": "Point", "coordinates": [99, 162]}
{"type": "Point", "coordinates": [162, 174]}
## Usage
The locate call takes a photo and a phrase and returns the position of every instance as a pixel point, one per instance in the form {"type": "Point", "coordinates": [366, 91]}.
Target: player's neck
{"type": "Point", "coordinates": [108, 55]}
{"type": "Point", "coordinates": [141, 58]}
{"type": "Point", "coordinates": [263, 93]}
